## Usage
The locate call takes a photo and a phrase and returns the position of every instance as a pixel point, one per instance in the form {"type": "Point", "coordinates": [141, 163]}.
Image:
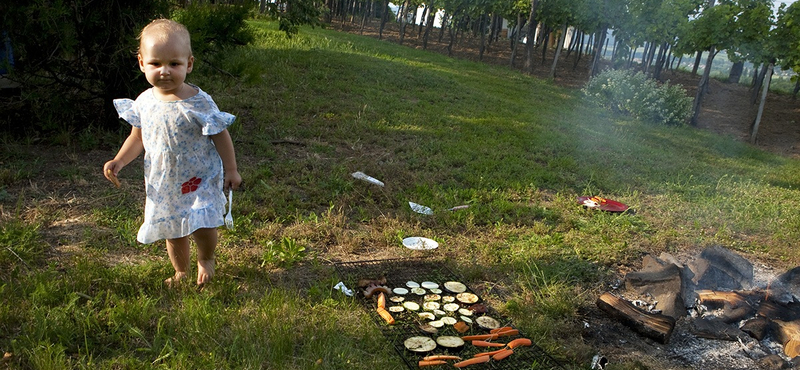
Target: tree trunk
{"type": "Point", "coordinates": [593, 68]}
{"type": "Point", "coordinates": [702, 86]}
{"type": "Point", "coordinates": [757, 83]}
{"type": "Point", "coordinates": [559, 46]}
{"type": "Point", "coordinates": [428, 26]}
{"type": "Point", "coordinates": [767, 79]}
{"type": "Point", "coordinates": [403, 18]}
{"type": "Point", "coordinates": [445, 21]}
{"type": "Point", "coordinates": [660, 61]}
{"type": "Point", "coordinates": [482, 27]}
{"type": "Point", "coordinates": [572, 42]}
{"type": "Point", "coordinates": [530, 37]}
{"type": "Point", "coordinates": [736, 72]}
{"type": "Point", "coordinates": [579, 48]}
{"type": "Point", "coordinates": [796, 89]}
{"type": "Point", "coordinates": [515, 39]}
{"type": "Point", "coordinates": [451, 31]}
{"type": "Point", "coordinates": [544, 43]}
{"type": "Point", "coordinates": [697, 62]}
{"type": "Point", "coordinates": [384, 18]}
{"type": "Point", "coordinates": [424, 17]}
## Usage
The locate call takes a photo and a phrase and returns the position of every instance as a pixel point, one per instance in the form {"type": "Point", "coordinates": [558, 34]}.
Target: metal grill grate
{"type": "Point", "coordinates": [397, 272]}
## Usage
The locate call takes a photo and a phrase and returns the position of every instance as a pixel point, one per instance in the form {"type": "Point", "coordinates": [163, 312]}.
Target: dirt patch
{"type": "Point", "coordinates": [726, 110]}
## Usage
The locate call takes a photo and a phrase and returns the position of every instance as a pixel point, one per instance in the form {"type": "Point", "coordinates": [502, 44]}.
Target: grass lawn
{"type": "Point", "coordinates": [78, 291]}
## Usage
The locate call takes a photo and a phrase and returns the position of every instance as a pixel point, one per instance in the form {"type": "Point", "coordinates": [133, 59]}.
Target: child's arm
{"type": "Point", "coordinates": [224, 146]}
{"type": "Point", "coordinates": [130, 149]}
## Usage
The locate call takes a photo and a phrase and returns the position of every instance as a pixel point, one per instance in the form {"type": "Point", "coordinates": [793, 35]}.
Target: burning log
{"type": "Point", "coordinates": [656, 326]}
{"type": "Point", "coordinates": [788, 333]}
{"type": "Point", "coordinates": [735, 306]}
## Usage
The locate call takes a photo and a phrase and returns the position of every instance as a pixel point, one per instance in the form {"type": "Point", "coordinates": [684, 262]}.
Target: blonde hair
{"type": "Point", "coordinates": [163, 29]}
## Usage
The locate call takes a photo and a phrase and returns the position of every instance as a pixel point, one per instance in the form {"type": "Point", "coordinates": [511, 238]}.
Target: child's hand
{"type": "Point", "coordinates": [232, 180]}
{"type": "Point", "coordinates": [110, 170]}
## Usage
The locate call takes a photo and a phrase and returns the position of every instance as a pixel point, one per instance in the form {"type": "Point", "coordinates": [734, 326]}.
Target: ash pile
{"type": "Point", "coordinates": [714, 311]}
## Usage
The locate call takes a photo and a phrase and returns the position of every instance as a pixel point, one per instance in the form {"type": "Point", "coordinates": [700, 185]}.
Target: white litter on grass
{"type": "Point", "coordinates": [340, 286]}
{"type": "Point", "coordinates": [362, 176]}
{"type": "Point", "coordinates": [419, 208]}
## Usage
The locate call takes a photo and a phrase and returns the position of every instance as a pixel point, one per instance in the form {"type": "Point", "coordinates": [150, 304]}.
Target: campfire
{"type": "Point", "coordinates": [716, 295]}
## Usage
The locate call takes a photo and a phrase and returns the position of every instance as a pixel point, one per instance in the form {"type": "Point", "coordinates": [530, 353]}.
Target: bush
{"type": "Point", "coordinates": [215, 28]}
{"type": "Point", "coordinates": [636, 95]}
{"type": "Point", "coordinates": [73, 57]}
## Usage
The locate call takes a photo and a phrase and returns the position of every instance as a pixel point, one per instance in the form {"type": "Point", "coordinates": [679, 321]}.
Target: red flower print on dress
{"type": "Point", "coordinates": [191, 185]}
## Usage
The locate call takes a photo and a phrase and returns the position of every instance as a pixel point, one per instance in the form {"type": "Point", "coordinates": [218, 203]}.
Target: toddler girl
{"type": "Point", "coordinates": [189, 157]}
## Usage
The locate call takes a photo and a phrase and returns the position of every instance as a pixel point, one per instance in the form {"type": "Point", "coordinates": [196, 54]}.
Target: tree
{"type": "Point", "coordinates": [76, 54]}
{"type": "Point", "coordinates": [291, 14]}
{"type": "Point", "coordinates": [786, 39]}
{"type": "Point", "coordinates": [783, 48]}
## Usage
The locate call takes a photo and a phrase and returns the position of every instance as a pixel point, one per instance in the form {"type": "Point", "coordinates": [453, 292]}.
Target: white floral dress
{"type": "Point", "coordinates": [182, 170]}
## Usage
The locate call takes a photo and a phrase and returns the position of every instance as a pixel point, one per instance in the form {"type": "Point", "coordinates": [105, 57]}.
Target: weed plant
{"type": "Point", "coordinates": [79, 292]}
{"type": "Point", "coordinates": [635, 94]}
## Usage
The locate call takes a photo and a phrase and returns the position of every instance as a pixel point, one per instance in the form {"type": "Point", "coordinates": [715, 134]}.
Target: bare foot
{"type": "Point", "coordinates": [173, 281]}
{"type": "Point", "coordinates": [205, 271]}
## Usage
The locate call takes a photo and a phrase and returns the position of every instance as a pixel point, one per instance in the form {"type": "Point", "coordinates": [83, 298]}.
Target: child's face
{"type": "Point", "coordinates": [165, 64]}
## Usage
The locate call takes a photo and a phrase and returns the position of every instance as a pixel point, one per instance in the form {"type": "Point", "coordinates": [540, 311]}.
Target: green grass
{"type": "Point", "coordinates": [79, 292]}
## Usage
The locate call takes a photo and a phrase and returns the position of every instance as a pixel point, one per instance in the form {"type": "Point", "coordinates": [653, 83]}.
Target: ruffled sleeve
{"type": "Point", "coordinates": [216, 122]}
{"type": "Point", "coordinates": [128, 112]}
{"type": "Point", "coordinates": [205, 113]}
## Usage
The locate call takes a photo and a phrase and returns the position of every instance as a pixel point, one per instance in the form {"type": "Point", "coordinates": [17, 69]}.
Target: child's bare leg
{"type": "Point", "coordinates": [178, 250]}
{"type": "Point", "coordinates": [206, 240]}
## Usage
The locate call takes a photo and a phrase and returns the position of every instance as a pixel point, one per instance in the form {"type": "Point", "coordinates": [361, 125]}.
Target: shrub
{"type": "Point", "coordinates": [634, 94]}
{"type": "Point", "coordinates": [72, 58]}
{"type": "Point", "coordinates": [215, 28]}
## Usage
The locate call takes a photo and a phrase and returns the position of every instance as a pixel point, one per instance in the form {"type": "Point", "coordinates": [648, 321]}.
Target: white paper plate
{"type": "Point", "coordinates": [420, 243]}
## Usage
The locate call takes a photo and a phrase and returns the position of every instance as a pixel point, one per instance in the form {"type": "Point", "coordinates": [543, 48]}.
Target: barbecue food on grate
{"type": "Point", "coordinates": [430, 305]}
{"type": "Point", "coordinates": [363, 283]}
{"type": "Point", "coordinates": [400, 291]}
{"type": "Point", "coordinates": [461, 327]}
{"type": "Point", "coordinates": [473, 361]}
{"type": "Point", "coordinates": [440, 357]}
{"type": "Point", "coordinates": [451, 307]}
{"type": "Point", "coordinates": [412, 284]}
{"type": "Point", "coordinates": [397, 299]}
{"type": "Point", "coordinates": [478, 308]}
{"type": "Point", "coordinates": [519, 342]}
{"type": "Point", "coordinates": [455, 287]}
{"type": "Point", "coordinates": [483, 343]}
{"type": "Point", "coordinates": [428, 329]}
{"type": "Point", "coordinates": [429, 285]}
{"type": "Point", "coordinates": [487, 322]}
{"type": "Point", "coordinates": [374, 289]}
{"type": "Point", "coordinates": [502, 354]}
{"type": "Point", "coordinates": [385, 315]}
{"type": "Point", "coordinates": [382, 300]}
{"type": "Point", "coordinates": [411, 306]}
{"type": "Point", "coordinates": [427, 315]}
{"type": "Point", "coordinates": [396, 309]}
{"type": "Point", "coordinates": [419, 344]}
{"type": "Point", "coordinates": [467, 298]}
{"type": "Point", "coordinates": [449, 341]}
{"type": "Point", "coordinates": [449, 320]}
